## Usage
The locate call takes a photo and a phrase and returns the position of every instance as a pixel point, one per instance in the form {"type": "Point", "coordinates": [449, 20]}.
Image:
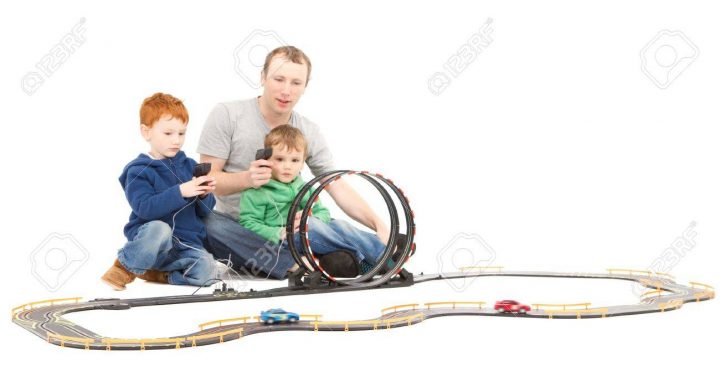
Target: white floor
{"type": "Point", "coordinates": [440, 348]}
{"type": "Point", "coordinates": [552, 141]}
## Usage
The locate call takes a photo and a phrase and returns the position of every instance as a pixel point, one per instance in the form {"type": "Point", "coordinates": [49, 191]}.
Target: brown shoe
{"type": "Point", "coordinates": [155, 276]}
{"type": "Point", "coordinates": [117, 276]}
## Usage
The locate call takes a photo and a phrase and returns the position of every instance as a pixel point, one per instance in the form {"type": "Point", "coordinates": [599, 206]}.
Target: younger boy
{"type": "Point", "coordinates": [265, 210]}
{"type": "Point", "coordinates": [165, 232]}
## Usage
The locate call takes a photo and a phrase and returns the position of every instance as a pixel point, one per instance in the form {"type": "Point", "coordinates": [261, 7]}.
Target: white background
{"type": "Point", "coordinates": [552, 144]}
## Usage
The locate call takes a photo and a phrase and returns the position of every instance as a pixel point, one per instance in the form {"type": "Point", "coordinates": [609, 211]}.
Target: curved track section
{"type": "Point", "coordinates": [46, 318]}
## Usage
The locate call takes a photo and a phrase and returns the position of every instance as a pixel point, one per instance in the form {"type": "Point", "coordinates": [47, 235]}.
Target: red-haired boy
{"type": "Point", "coordinates": [165, 232]}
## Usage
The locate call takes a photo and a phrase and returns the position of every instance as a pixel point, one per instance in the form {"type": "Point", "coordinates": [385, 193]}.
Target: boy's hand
{"type": "Point", "coordinates": [259, 172]}
{"type": "Point", "coordinates": [296, 224]}
{"type": "Point", "coordinates": [193, 187]}
{"type": "Point", "coordinates": [210, 183]}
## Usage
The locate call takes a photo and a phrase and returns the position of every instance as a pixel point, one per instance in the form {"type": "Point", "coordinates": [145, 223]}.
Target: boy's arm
{"type": "Point", "coordinates": [148, 204]}
{"type": "Point", "coordinates": [252, 215]}
{"type": "Point", "coordinates": [205, 203]}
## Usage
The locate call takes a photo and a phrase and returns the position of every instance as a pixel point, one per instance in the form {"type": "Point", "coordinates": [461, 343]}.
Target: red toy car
{"type": "Point", "coordinates": [511, 306]}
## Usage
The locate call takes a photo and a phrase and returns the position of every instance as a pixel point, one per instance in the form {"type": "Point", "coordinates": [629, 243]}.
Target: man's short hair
{"type": "Point", "coordinates": [291, 53]}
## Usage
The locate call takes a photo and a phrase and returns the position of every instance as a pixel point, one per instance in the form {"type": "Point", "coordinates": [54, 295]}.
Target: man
{"type": "Point", "coordinates": [233, 132]}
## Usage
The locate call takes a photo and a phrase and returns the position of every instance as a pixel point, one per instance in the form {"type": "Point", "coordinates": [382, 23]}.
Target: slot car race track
{"type": "Point", "coordinates": [46, 319]}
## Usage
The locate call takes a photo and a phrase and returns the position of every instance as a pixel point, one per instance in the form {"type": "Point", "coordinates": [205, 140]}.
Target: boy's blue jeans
{"type": "Point", "coordinates": [154, 247]}
{"type": "Point", "coordinates": [341, 235]}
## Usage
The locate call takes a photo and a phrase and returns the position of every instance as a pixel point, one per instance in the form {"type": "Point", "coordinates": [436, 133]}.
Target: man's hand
{"type": "Point", "coordinates": [193, 187]}
{"type": "Point", "coordinates": [259, 173]}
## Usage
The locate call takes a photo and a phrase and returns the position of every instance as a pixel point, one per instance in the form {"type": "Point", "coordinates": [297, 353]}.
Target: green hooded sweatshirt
{"type": "Point", "coordinates": [258, 211]}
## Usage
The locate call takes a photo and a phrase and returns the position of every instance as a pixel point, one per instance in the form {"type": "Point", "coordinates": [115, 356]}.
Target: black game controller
{"type": "Point", "coordinates": [263, 154]}
{"type": "Point", "coordinates": [202, 169]}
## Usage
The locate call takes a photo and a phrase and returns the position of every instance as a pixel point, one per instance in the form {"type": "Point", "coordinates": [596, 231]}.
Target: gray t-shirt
{"type": "Point", "coordinates": [234, 131]}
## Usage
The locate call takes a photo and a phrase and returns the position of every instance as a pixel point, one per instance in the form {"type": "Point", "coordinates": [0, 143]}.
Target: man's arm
{"type": "Point", "coordinates": [229, 183]}
{"type": "Point", "coordinates": [215, 147]}
{"type": "Point", "coordinates": [320, 161]}
{"type": "Point", "coordinates": [355, 206]}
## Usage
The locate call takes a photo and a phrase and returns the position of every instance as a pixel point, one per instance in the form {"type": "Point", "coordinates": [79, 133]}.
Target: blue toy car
{"type": "Point", "coordinates": [278, 315]}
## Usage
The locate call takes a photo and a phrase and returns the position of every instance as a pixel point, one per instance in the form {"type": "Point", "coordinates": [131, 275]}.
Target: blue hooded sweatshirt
{"type": "Point", "coordinates": [152, 187]}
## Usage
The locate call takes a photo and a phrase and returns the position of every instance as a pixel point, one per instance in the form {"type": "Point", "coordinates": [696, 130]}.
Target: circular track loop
{"type": "Point", "coordinates": [304, 255]}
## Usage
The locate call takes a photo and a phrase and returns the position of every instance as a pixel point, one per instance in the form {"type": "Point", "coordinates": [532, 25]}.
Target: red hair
{"type": "Point", "coordinates": [160, 104]}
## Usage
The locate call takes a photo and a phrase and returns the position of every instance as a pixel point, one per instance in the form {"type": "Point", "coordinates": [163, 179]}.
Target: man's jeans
{"type": "Point", "coordinates": [341, 235]}
{"type": "Point", "coordinates": [251, 253]}
{"type": "Point", "coordinates": [154, 247]}
{"type": "Point", "coordinates": [244, 250]}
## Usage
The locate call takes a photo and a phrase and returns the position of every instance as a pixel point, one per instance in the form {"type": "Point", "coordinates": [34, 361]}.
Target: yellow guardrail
{"type": "Point", "coordinates": [142, 341]}
{"type": "Point", "coordinates": [704, 286]}
{"type": "Point", "coordinates": [578, 312]}
{"type": "Point", "coordinates": [657, 292]}
{"type": "Point", "coordinates": [63, 339]}
{"type": "Point", "coordinates": [652, 283]}
{"type": "Point", "coordinates": [346, 324]}
{"type": "Point", "coordinates": [238, 331]}
{"type": "Point", "coordinates": [375, 323]}
{"type": "Point", "coordinates": [463, 269]}
{"type": "Point", "coordinates": [52, 302]}
{"type": "Point", "coordinates": [564, 307]}
{"type": "Point", "coordinates": [635, 271]}
{"type": "Point", "coordinates": [455, 303]}
{"type": "Point", "coordinates": [676, 304]}
{"type": "Point", "coordinates": [224, 321]}
{"type": "Point", "coordinates": [388, 323]}
{"type": "Point", "coordinates": [707, 292]}
{"type": "Point", "coordinates": [246, 319]}
{"type": "Point", "coordinates": [400, 307]}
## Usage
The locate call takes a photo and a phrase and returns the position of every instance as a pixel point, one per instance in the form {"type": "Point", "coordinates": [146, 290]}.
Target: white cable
{"type": "Point", "coordinates": [277, 256]}
{"type": "Point", "coordinates": [172, 230]}
{"type": "Point", "coordinates": [229, 266]}
{"type": "Point", "coordinates": [172, 234]}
